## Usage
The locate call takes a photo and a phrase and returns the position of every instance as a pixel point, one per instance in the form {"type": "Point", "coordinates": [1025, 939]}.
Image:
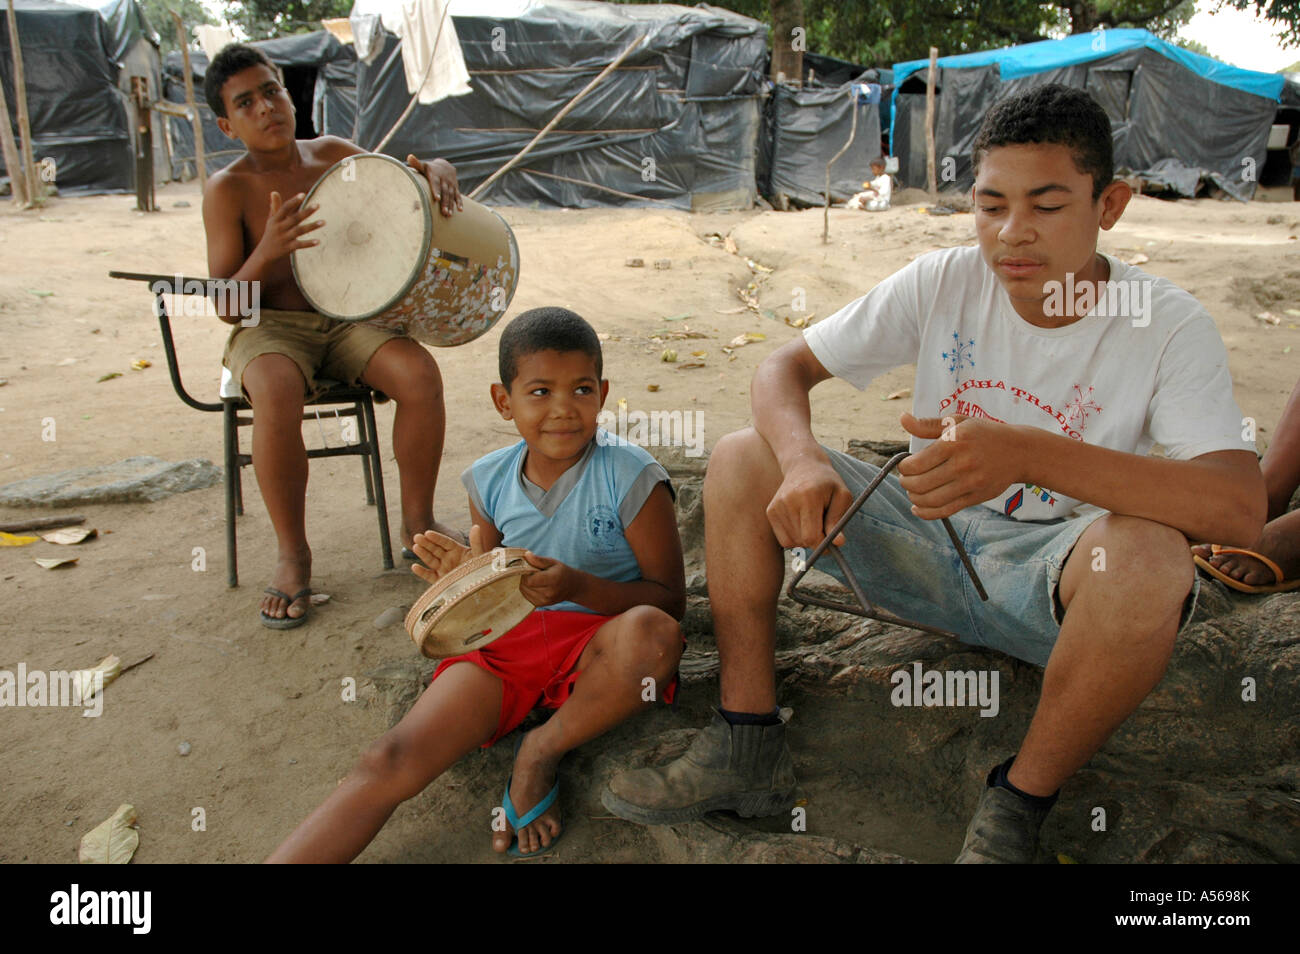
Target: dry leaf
{"type": "Point", "coordinates": [730, 311]}
{"type": "Point", "coordinates": [50, 563]}
{"type": "Point", "coordinates": [1293, 312]}
{"type": "Point", "coordinates": [635, 263]}
{"type": "Point", "coordinates": [652, 387]}
{"type": "Point", "coordinates": [318, 598]}
{"type": "Point", "coordinates": [139, 364]}
{"type": "Point", "coordinates": [112, 842]}
{"type": "Point", "coordinates": [669, 355]}
{"type": "Point", "coordinates": [66, 536]}
{"type": "Point", "coordinates": [689, 365]}
{"type": "Point", "coordinates": [66, 362]}
{"type": "Point", "coordinates": [698, 354]}
{"type": "Point", "coordinates": [109, 377]}
{"type": "Point", "coordinates": [10, 540]}
{"type": "Point", "coordinates": [84, 682]}
{"type": "Point", "coordinates": [729, 244]}
{"type": "Point", "coordinates": [757, 267]}
{"type": "Point", "coordinates": [749, 336]}
{"type": "Point", "coordinates": [800, 322]}
{"type": "Point", "coordinates": [895, 395]}
{"type": "Point", "coordinates": [1268, 318]}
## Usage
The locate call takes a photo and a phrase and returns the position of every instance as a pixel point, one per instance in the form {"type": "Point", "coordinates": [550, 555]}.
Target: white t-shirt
{"type": "Point", "coordinates": [883, 185]}
{"type": "Point", "coordinates": [1103, 380]}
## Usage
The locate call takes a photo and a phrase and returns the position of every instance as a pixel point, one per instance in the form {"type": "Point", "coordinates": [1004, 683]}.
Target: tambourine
{"type": "Point", "coordinates": [473, 605]}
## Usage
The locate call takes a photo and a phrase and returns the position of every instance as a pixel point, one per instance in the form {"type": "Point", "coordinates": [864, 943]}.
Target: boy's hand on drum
{"type": "Point", "coordinates": [286, 225]}
{"type": "Point", "coordinates": [811, 499]}
{"type": "Point", "coordinates": [971, 460]}
{"type": "Point", "coordinates": [442, 180]}
{"type": "Point", "coordinates": [441, 554]}
{"type": "Point", "coordinates": [554, 583]}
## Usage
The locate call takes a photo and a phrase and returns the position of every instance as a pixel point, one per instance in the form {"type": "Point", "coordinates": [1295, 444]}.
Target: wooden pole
{"type": "Point", "coordinates": [433, 55]}
{"type": "Point", "coordinates": [200, 161]}
{"type": "Point", "coordinates": [931, 182]}
{"type": "Point", "coordinates": [853, 132]}
{"type": "Point", "coordinates": [13, 163]}
{"type": "Point", "coordinates": [35, 191]}
{"type": "Point", "coordinates": [558, 116]}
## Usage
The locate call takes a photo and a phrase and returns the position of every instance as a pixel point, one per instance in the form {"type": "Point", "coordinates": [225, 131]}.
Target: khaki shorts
{"type": "Point", "coordinates": [321, 347]}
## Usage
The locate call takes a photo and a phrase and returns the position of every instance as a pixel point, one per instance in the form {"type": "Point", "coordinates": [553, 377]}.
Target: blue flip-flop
{"type": "Point", "coordinates": [531, 816]}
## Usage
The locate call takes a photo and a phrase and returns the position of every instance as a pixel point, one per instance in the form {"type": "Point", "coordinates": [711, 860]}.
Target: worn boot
{"type": "Point", "coordinates": [1004, 829]}
{"type": "Point", "coordinates": [744, 768]}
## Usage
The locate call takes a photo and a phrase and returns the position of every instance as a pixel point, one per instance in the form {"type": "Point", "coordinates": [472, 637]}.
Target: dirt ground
{"type": "Point", "coordinates": [262, 710]}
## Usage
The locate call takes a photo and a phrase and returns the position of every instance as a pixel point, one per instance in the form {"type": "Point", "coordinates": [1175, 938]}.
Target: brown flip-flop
{"type": "Point", "coordinates": [286, 621]}
{"type": "Point", "coordinates": [1281, 584]}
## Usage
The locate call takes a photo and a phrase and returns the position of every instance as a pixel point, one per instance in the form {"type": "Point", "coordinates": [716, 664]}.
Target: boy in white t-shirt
{"type": "Point", "coordinates": [875, 194]}
{"type": "Point", "coordinates": [1045, 373]}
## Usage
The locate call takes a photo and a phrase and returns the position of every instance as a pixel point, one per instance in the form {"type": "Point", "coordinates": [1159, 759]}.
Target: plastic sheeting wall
{"type": "Point", "coordinates": [1169, 123]}
{"type": "Point", "coordinates": [805, 129]}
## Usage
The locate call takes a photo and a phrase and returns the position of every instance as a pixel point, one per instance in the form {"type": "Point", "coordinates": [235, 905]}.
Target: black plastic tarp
{"type": "Point", "coordinates": [805, 128]}
{"type": "Point", "coordinates": [74, 59]}
{"type": "Point", "coordinates": [677, 123]}
{"type": "Point", "coordinates": [1169, 123]}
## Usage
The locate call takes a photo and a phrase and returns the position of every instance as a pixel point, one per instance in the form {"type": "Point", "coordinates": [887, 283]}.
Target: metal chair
{"type": "Point", "coordinates": [356, 402]}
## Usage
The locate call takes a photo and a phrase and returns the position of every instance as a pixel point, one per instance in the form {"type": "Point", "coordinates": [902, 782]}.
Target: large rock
{"type": "Point", "coordinates": [134, 480]}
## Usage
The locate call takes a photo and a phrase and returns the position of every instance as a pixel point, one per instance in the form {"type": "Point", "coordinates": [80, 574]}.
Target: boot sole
{"type": "Point", "coordinates": [746, 805]}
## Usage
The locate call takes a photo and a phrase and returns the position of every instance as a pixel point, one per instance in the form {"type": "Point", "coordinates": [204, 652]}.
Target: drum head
{"type": "Point", "coordinates": [472, 606]}
{"type": "Point", "coordinates": [374, 242]}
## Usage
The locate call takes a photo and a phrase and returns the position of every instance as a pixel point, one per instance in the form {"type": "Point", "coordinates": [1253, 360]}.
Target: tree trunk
{"type": "Point", "coordinates": [1083, 15]}
{"type": "Point", "coordinates": [789, 40]}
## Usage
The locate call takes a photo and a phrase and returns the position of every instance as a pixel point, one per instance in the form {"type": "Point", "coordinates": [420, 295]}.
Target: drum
{"type": "Point", "coordinates": [472, 605]}
{"type": "Point", "coordinates": [388, 257]}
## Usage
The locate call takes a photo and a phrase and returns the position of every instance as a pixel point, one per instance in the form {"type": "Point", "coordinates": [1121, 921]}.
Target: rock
{"type": "Point", "coordinates": [184, 748]}
{"type": "Point", "coordinates": [136, 479]}
{"type": "Point", "coordinates": [180, 204]}
{"type": "Point", "coordinates": [875, 452]}
{"type": "Point", "coordinates": [390, 616]}
{"type": "Point", "coordinates": [663, 264]}
{"type": "Point", "coordinates": [635, 263]}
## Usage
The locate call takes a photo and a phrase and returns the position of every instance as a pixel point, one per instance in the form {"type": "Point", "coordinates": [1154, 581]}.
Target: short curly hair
{"type": "Point", "coordinates": [232, 59]}
{"type": "Point", "coordinates": [1057, 115]}
{"type": "Point", "coordinates": [545, 329]}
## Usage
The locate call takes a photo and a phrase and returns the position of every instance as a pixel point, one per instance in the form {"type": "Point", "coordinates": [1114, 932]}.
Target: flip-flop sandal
{"type": "Point", "coordinates": [1281, 584]}
{"type": "Point", "coordinates": [286, 622]}
{"type": "Point", "coordinates": [530, 816]}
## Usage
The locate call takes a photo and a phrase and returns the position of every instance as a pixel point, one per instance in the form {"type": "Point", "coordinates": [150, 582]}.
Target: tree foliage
{"type": "Point", "coordinates": [263, 19]}
{"type": "Point", "coordinates": [157, 12]}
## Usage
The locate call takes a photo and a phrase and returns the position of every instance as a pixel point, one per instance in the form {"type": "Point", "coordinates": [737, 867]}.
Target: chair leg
{"type": "Point", "coordinates": [230, 427]}
{"type": "Point", "coordinates": [372, 444]}
{"type": "Point", "coordinates": [365, 463]}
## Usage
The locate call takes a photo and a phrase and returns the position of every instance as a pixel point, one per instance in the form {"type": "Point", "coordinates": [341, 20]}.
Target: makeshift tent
{"type": "Point", "coordinates": [79, 60]}
{"type": "Point", "coordinates": [805, 128]}
{"type": "Point", "coordinates": [319, 73]}
{"type": "Point", "coordinates": [676, 124]}
{"type": "Point", "coordinates": [1177, 117]}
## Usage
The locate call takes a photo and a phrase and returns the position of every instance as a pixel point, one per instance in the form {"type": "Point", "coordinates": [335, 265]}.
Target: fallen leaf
{"type": "Point", "coordinates": [1293, 312]}
{"type": "Point", "coordinates": [318, 598]}
{"type": "Point", "coordinates": [1268, 318]}
{"type": "Point", "coordinates": [678, 317]}
{"type": "Point", "coordinates": [757, 267]}
{"type": "Point", "coordinates": [140, 364]}
{"type": "Point", "coordinates": [652, 387]}
{"type": "Point", "coordinates": [112, 842]}
{"type": "Point", "coordinates": [668, 355]}
{"type": "Point", "coordinates": [1066, 859]}
{"type": "Point", "coordinates": [109, 377]}
{"type": "Point", "coordinates": [10, 540]}
{"type": "Point", "coordinates": [730, 311]}
{"type": "Point", "coordinates": [729, 244]}
{"type": "Point", "coordinates": [690, 365]}
{"type": "Point", "coordinates": [51, 563]}
{"type": "Point", "coordinates": [85, 683]}
{"type": "Point", "coordinates": [799, 322]}
{"type": "Point", "coordinates": [895, 395]}
{"type": "Point", "coordinates": [635, 263]}
{"type": "Point", "coordinates": [66, 362]}
{"type": "Point", "coordinates": [749, 336]}
{"type": "Point", "coordinates": [40, 294]}
{"type": "Point", "coordinates": [1286, 350]}
{"type": "Point", "coordinates": [65, 536]}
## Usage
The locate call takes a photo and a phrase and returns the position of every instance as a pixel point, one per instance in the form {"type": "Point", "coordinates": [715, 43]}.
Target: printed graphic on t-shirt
{"type": "Point", "coordinates": [602, 528]}
{"type": "Point", "coordinates": [1076, 412]}
{"type": "Point", "coordinates": [960, 354]}
{"type": "Point", "coordinates": [1070, 420]}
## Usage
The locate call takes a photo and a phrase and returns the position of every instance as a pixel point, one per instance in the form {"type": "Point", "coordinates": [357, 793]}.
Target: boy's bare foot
{"type": "Point", "coordinates": [1280, 542]}
{"type": "Point", "coordinates": [533, 777]}
{"type": "Point", "coordinates": [292, 575]}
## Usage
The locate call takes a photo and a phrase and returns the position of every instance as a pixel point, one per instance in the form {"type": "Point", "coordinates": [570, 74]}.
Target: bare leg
{"type": "Point", "coordinates": [1115, 642]}
{"type": "Point", "coordinates": [456, 714]}
{"type": "Point", "coordinates": [745, 567]}
{"type": "Point", "coordinates": [276, 389]}
{"type": "Point", "coordinates": [403, 370]}
{"type": "Point", "coordinates": [643, 642]}
{"type": "Point", "coordinates": [1280, 538]}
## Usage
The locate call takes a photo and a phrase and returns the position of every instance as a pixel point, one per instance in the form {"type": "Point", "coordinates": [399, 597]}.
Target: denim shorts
{"type": "Point", "coordinates": [910, 567]}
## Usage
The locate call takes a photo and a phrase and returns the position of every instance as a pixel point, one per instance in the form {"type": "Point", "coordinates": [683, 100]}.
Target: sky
{"type": "Point", "coordinates": [1238, 38]}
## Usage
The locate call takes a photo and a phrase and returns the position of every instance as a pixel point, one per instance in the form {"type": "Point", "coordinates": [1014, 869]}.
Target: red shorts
{"type": "Point", "coordinates": [536, 663]}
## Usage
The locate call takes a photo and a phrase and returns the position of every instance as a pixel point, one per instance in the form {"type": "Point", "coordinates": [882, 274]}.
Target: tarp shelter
{"type": "Point", "coordinates": [805, 128]}
{"type": "Point", "coordinates": [1176, 116]}
{"type": "Point", "coordinates": [78, 59]}
{"type": "Point", "coordinates": [676, 124]}
{"type": "Point", "coordinates": [319, 73]}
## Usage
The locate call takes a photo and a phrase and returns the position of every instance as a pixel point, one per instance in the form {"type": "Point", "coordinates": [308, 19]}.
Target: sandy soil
{"type": "Point", "coordinates": [262, 710]}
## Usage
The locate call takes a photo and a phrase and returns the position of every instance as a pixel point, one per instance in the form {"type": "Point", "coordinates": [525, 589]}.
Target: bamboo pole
{"type": "Point", "coordinates": [930, 77]}
{"type": "Point", "coordinates": [558, 116]}
{"type": "Point", "coordinates": [35, 191]}
{"type": "Point", "coordinates": [200, 161]}
{"type": "Point", "coordinates": [853, 132]}
{"type": "Point", "coordinates": [428, 68]}
{"type": "Point", "coordinates": [13, 163]}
